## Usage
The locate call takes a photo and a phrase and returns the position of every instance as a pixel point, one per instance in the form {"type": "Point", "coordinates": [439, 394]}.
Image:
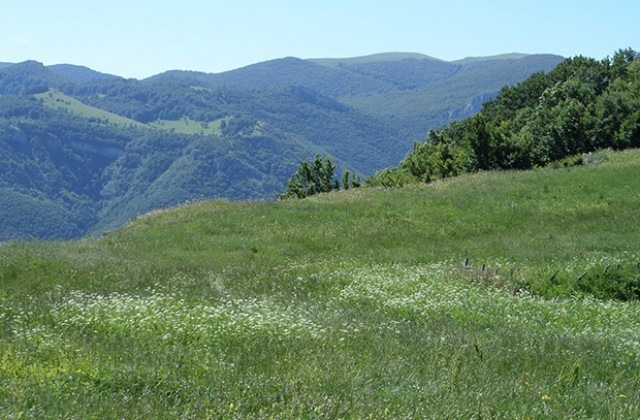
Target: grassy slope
{"type": "Point", "coordinates": [343, 305]}
{"type": "Point", "coordinates": [189, 126]}
{"type": "Point", "coordinates": [58, 100]}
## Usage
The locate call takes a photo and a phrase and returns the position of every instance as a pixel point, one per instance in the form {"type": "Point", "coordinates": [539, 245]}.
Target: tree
{"type": "Point", "coordinates": [311, 178]}
{"type": "Point", "coordinates": [349, 180]}
{"type": "Point", "coordinates": [479, 139]}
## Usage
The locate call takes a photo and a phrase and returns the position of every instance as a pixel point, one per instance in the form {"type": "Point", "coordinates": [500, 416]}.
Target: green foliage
{"type": "Point", "coordinates": [391, 177]}
{"type": "Point", "coordinates": [437, 159]}
{"type": "Point", "coordinates": [317, 177]}
{"type": "Point", "coordinates": [616, 281]}
{"type": "Point", "coordinates": [581, 106]}
{"type": "Point", "coordinates": [312, 178]}
{"type": "Point", "coordinates": [349, 180]}
{"type": "Point", "coordinates": [29, 214]}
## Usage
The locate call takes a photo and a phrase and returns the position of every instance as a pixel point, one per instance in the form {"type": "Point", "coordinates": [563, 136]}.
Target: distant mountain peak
{"type": "Point", "coordinates": [29, 64]}
{"type": "Point", "coordinates": [29, 68]}
{"type": "Point", "coordinates": [79, 74]}
{"type": "Point", "coordinates": [373, 58]}
{"type": "Point", "coordinates": [509, 56]}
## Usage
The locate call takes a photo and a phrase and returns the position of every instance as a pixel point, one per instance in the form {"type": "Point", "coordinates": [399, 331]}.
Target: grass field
{"type": "Point", "coordinates": [495, 295]}
{"type": "Point", "coordinates": [189, 126]}
{"type": "Point", "coordinates": [58, 100]}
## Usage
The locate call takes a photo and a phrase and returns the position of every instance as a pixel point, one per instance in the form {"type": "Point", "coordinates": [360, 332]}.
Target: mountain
{"type": "Point", "coordinates": [509, 56]}
{"type": "Point", "coordinates": [85, 152]}
{"type": "Point", "coordinates": [383, 57]}
{"type": "Point", "coordinates": [412, 92]}
{"type": "Point", "coordinates": [27, 78]}
{"type": "Point", "coordinates": [287, 72]}
{"type": "Point", "coordinates": [80, 74]}
{"type": "Point", "coordinates": [438, 92]}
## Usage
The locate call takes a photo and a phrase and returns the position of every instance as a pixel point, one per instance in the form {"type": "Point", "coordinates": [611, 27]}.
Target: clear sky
{"type": "Point", "coordinates": [140, 38]}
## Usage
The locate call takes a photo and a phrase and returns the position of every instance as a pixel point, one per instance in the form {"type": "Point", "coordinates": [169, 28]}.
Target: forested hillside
{"type": "Point", "coordinates": [581, 106]}
{"type": "Point", "coordinates": [84, 152]}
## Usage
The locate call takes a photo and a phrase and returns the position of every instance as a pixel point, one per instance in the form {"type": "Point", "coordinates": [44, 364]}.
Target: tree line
{"type": "Point", "coordinates": [581, 106]}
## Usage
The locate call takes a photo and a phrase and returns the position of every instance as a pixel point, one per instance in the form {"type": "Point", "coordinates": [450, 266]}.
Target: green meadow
{"type": "Point", "coordinates": [491, 295]}
{"type": "Point", "coordinates": [189, 126]}
{"type": "Point", "coordinates": [55, 99]}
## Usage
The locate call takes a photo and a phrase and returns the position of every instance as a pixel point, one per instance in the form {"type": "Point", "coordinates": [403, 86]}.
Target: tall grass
{"type": "Point", "coordinates": [463, 299]}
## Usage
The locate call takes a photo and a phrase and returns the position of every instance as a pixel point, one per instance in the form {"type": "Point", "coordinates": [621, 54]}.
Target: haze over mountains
{"type": "Point", "coordinates": [82, 151]}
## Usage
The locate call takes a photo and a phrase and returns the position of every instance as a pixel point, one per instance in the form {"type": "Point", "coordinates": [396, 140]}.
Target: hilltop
{"type": "Point", "coordinates": [494, 294]}
{"type": "Point", "coordinates": [84, 152]}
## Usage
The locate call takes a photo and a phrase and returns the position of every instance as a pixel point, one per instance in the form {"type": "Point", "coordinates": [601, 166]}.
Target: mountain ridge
{"type": "Point", "coordinates": [78, 73]}
{"type": "Point", "coordinates": [67, 68]}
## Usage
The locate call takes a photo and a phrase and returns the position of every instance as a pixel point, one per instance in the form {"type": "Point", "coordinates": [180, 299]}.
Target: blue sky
{"type": "Point", "coordinates": [139, 38]}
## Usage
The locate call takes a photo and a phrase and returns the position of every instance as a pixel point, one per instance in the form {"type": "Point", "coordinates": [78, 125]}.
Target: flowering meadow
{"type": "Point", "coordinates": [495, 295]}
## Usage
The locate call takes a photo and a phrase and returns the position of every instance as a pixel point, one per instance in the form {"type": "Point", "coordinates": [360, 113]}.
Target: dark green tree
{"type": "Point", "coordinates": [312, 178]}
{"type": "Point", "coordinates": [483, 149]}
{"type": "Point", "coordinates": [349, 180]}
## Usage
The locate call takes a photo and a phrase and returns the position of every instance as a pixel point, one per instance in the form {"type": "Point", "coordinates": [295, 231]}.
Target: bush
{"type": "Point", "coordinates": [620, 282]}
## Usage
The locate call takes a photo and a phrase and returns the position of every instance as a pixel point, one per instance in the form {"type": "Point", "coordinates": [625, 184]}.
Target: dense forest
{"type": "Point", "coordinates": [581, 106]}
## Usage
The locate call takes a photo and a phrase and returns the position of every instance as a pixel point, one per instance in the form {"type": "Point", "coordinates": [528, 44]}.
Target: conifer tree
{"type": "Point", "coordinates": [312, 178]}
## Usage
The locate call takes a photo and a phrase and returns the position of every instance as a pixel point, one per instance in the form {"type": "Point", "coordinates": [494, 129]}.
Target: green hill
{"type": "Point", "coordinates": [583, 105]}
{"type": "Point", "coordinates": [498, 294]}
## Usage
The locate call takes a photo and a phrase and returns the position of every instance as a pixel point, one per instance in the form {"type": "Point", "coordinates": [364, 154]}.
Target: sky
{"type": "Point", "coordinates": [140, 38]}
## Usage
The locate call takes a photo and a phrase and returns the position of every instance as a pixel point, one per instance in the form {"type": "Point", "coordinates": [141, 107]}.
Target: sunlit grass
{"type": "Point", "coordinates": [189, 126]}
{"type": "Point", "coordinates": [58, 100]}
{"type": "Point", "coordinates": [462, 299]}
